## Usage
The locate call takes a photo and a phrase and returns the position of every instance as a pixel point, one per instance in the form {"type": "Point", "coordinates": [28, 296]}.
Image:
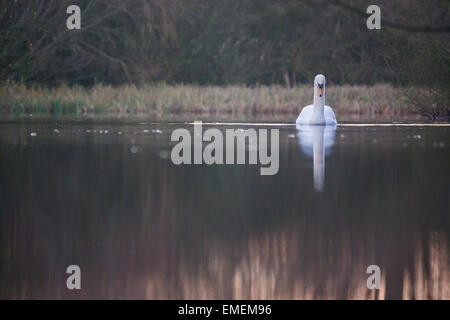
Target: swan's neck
{"type": "Point", "coordinates": [319, 106]}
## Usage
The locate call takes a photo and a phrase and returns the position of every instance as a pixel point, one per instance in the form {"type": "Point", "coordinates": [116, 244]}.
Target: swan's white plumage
{"type": "Point", "coordinates": [306, 114]}
{"type": "Point", "coordinates": [317, 113]}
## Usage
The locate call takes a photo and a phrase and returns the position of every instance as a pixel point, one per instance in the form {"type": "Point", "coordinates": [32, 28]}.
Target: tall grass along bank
{"type": "Point", "coordinates": [381, 100]}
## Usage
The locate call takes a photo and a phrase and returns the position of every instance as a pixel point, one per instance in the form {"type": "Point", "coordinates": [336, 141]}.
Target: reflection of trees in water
{"type": "Point", "coordinates": [140, 227]}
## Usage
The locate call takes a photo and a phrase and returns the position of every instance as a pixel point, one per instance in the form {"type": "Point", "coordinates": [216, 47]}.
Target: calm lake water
{"type": "Point", "coordinates": [106, 196]}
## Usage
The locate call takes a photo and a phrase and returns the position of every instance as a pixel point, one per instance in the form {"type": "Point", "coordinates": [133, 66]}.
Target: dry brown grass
{"type": "Point", "coordinates": [381, 99]}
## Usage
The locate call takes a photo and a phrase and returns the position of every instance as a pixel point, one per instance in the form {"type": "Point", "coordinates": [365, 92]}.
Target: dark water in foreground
{"type": "Point", "coordinates": [140, 227]}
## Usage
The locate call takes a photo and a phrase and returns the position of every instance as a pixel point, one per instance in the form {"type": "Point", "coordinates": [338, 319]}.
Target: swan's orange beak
{"type": "Point", "coordinates": [320, 89]}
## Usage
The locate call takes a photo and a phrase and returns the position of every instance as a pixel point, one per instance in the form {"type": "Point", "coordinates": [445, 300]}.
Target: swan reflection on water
{"type": "Point", "coordinates": [317, 142]}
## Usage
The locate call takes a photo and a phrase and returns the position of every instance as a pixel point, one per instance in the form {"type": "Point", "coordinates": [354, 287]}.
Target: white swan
{"type": "Point", "coordinates": [317, 113]}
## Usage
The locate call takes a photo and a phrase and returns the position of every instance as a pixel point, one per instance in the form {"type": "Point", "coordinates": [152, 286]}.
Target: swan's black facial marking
{"type": "Point", "coordinates": [320, 89]}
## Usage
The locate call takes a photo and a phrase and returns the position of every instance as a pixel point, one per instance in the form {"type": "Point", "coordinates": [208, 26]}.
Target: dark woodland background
{"type": "Point", "coordinates": [222, 42]}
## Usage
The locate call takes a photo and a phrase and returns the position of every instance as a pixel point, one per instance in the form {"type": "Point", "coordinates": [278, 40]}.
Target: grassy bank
{"type": "Point", "coordinates": [379, 100]}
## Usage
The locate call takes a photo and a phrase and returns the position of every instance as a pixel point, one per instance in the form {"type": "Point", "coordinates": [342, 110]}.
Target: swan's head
{"type": "Point", "coordinates": [319, 84]}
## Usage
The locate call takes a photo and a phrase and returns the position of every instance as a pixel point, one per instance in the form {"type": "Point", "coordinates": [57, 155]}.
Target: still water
{"type": "Point", "coordinates": [106, 196]}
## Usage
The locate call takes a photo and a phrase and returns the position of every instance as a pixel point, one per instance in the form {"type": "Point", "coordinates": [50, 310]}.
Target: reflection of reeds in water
{"type": "Point", "coordinates": [432, 280]}
{"type": "Point", "coordinates": [276, 267]}
{"type": "Point", "coordinates": [140, 228]}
